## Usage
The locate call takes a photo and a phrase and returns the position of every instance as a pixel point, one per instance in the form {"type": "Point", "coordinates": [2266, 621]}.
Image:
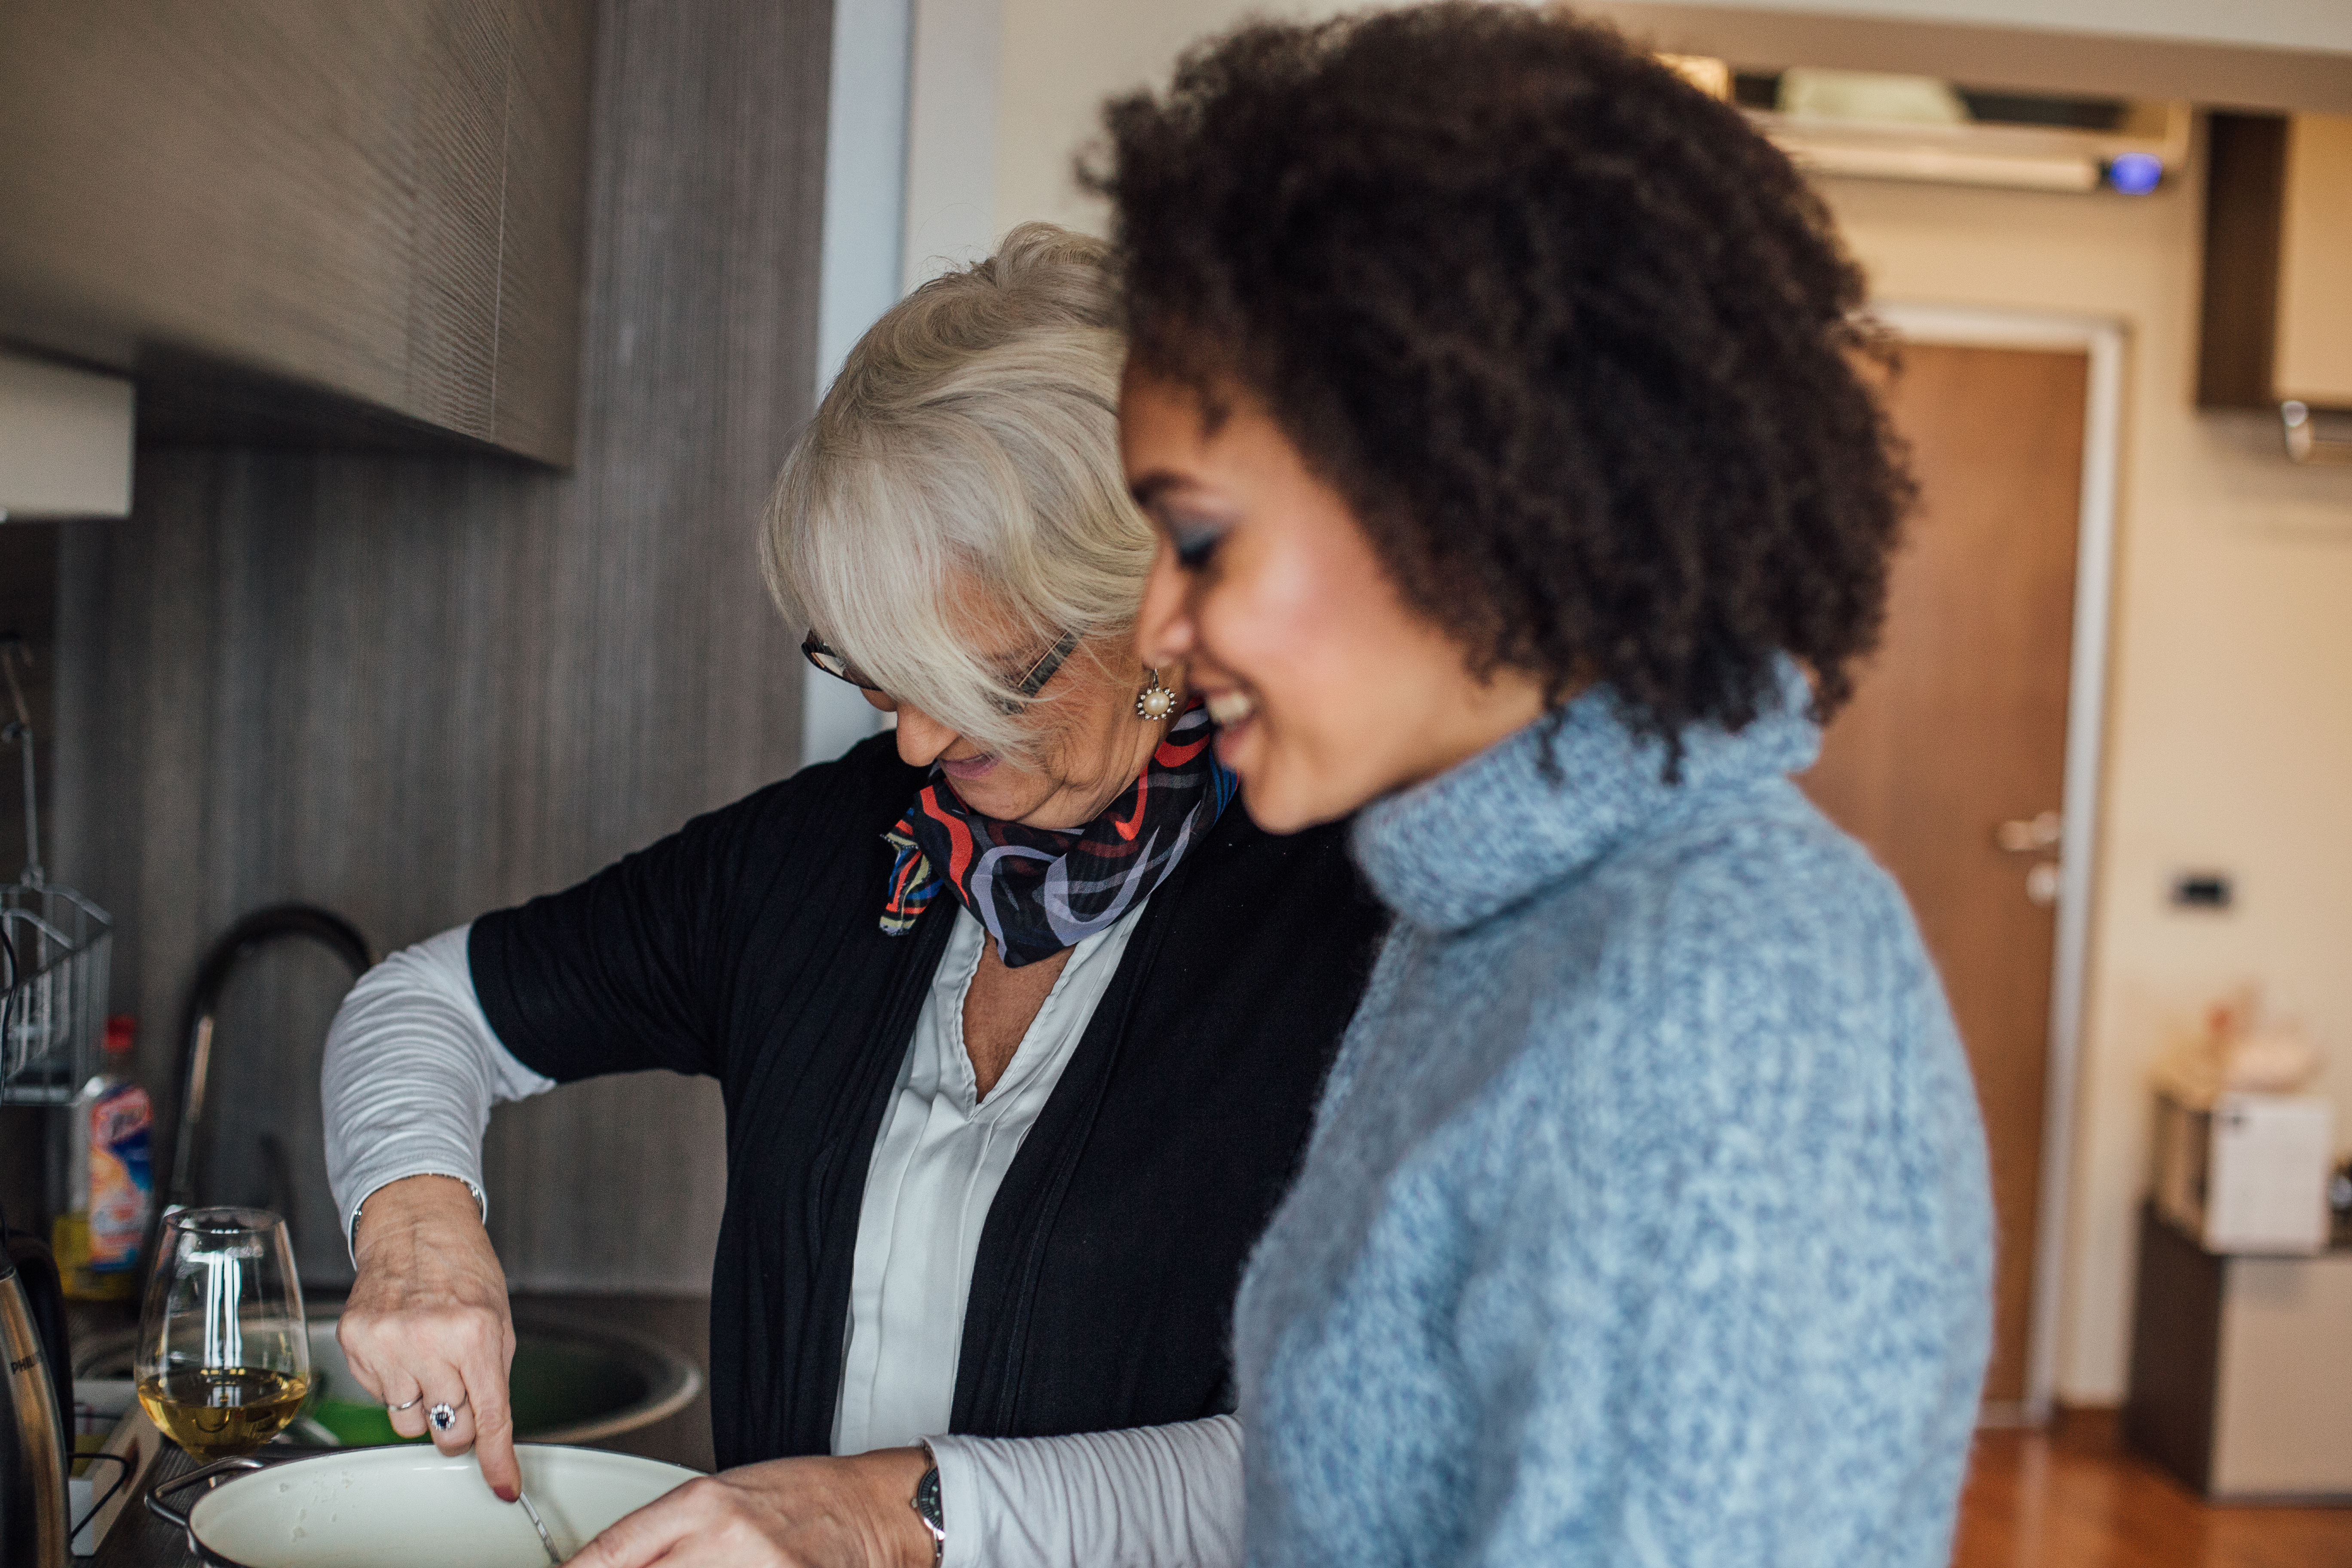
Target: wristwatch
{"type": "Point", "coordinates": [926, 1507]}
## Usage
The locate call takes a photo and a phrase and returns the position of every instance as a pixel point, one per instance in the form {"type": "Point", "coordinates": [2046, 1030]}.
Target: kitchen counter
{"type": "Point", "coordinates": [140, 1540]}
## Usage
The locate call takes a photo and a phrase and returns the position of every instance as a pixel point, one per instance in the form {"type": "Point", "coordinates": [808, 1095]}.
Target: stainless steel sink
{"type": "Point", "coordinates": [571, 1383]}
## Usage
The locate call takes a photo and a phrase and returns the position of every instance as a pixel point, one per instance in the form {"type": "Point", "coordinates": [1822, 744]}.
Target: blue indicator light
{"type": "Point", "coordinates": [2135, 174]}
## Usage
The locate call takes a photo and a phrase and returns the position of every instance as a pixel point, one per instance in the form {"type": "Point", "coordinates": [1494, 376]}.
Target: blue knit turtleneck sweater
{"type": "Point", "coordinates": [1647, 1217]}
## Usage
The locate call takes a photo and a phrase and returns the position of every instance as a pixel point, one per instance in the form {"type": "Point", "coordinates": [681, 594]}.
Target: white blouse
{"type": "Point", "coordinates": [937, 1161]}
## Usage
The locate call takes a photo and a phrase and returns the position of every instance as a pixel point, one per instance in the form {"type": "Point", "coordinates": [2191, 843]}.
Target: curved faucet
{"type": "Point", "coordinates": [235, 944]}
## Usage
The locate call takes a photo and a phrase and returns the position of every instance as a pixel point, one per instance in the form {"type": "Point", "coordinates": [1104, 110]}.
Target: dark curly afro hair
{"type": "Point", "coordinates": [1575, 343]}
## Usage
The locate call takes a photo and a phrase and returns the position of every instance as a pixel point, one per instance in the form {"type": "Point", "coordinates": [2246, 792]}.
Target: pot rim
{"type": "Point", "coordinates": [245, 1467]}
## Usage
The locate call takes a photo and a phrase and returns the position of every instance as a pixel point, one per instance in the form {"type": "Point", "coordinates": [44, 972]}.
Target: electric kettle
{"type": "Point", "coordinates": [32, 1421]}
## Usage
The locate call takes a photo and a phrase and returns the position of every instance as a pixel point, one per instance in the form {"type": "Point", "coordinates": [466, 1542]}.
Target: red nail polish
{"type": "Point", "coordinates": [507, 1494]}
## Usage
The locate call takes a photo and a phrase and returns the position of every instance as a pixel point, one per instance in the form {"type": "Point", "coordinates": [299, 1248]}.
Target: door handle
{"type": "Point", "coordinates": [2030, 835]}
{"type": "Point", "coordinates": [2304, 442]}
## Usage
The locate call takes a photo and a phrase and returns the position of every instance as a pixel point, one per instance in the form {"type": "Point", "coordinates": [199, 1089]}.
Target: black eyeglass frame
{"type": "Point", "coordinates": [816, 651]}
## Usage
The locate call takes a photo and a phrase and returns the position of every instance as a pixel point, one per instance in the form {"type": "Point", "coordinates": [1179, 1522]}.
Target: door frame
{"type": "Point", "coordinates": [2103, 341]}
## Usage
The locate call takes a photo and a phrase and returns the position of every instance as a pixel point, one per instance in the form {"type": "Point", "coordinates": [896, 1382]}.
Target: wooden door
{"type": "Point", "coordinates": [1950, 762]}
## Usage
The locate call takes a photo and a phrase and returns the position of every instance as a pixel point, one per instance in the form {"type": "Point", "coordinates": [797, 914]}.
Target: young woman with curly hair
{"type": "Point", "coordinates": [1494, 394]}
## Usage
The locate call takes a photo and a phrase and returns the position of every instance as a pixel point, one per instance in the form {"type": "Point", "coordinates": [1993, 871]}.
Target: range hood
{"type": "Point", "coordinates": [1868, 125]}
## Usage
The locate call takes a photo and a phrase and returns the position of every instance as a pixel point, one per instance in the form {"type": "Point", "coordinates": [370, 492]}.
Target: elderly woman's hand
{"type": "Point", "coordinates": [428, 1322]}
{"type": "Point", "coordinates": [856, 1512]}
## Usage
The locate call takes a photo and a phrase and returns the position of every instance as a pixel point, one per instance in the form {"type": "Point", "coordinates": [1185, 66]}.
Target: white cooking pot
{"type": "Point", "coordinates": [399, 1507]}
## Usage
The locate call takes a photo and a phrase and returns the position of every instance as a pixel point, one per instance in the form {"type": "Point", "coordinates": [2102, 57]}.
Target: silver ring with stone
{"type": "Point", "coordinates": [411, 1404]}
{"type": "Point", "coordinates": [443, 1417]}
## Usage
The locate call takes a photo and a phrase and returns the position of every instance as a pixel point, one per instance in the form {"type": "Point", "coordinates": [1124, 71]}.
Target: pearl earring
{"type": "Point", "coordinates": [1157, 701]}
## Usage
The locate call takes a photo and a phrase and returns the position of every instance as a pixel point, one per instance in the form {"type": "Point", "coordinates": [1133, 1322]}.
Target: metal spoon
{"type": "Point", "coordinates": [545, 1540]}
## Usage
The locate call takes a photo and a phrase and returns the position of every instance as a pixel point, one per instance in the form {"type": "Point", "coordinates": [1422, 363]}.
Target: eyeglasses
{"type": "Point", "coordinates": [814, 649]}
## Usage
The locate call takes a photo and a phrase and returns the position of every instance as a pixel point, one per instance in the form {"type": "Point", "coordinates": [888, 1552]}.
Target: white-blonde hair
{"type": "Point", "coordinates": [970, 448]}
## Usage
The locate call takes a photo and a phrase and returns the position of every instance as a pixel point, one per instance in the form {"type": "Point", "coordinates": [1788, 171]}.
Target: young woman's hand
{"type": "Point", "coordinates": [428, 1322]}
{"type": "Point", "coordinates": [856, 1512]}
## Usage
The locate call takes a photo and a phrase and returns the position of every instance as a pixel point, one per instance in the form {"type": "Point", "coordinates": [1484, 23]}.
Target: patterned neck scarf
{"type": "Point", "coordinates": [1041, 890]}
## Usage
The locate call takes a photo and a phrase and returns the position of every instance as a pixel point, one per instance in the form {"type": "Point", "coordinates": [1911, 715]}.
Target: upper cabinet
{"type": "Point", "coordinates": [2277, 327]}
{"type": "Point", "coordinates": [343, 219]}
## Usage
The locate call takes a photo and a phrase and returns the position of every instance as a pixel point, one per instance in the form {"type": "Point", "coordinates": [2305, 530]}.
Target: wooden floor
{"type": "Point", "coordinates": [2072, 1497]}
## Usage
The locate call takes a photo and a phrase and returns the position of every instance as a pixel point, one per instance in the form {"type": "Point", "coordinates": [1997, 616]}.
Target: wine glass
{"type": "Point", "coordinates": [224, 1358]}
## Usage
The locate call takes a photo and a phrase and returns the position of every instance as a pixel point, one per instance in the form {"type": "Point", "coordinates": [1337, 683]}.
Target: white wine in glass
{"type": "Point", "coordinates": [223, 1352]}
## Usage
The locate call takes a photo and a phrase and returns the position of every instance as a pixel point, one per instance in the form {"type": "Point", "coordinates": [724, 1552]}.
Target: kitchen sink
{"type": "Point", "coordinates": [570, 1384]}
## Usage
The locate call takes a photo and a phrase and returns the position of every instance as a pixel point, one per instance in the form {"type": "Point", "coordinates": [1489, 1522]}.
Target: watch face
{"type": "Point", "coordinates": [926, 1499]}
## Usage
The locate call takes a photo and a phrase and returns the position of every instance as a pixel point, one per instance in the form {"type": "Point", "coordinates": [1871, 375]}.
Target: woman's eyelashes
{"type": "Point", "coordinates": [1195, 543]}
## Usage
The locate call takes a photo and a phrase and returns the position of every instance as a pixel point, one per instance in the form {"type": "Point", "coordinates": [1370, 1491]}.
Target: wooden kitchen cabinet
{"type": "Point", "coordinates": [305, 217]}
{"type": "Point", "coordinates": [2277, 310]}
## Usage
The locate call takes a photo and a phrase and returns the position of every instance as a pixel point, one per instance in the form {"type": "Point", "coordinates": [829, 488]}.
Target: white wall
{"type": "Point", "coordinates": [1062, 58]}
{"type": "Point", "coordinates": [866, 131]}
{"type": "Point", "coordinates": [868, 128]}
{"type": "Point", "coordinates": [2229, 731]}
{"type": "Point", "coordinates": [951, 197]}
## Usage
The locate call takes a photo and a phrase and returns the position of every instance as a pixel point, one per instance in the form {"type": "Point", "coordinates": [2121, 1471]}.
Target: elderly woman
{"type": "Point", "coordinates": [1019, 1027]}
{"type": "Point", "coordinates": [1492, 390]}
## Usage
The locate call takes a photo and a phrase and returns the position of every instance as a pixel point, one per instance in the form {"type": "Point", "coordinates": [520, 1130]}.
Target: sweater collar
{"type": "Point", "coordinates": [1493, 831]}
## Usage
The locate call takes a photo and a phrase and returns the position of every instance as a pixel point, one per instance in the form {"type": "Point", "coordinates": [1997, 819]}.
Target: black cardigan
{"type": "Point", "coordinates": [747, 946]}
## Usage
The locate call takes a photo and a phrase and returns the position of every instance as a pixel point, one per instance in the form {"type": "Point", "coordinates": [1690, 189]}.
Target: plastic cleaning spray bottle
{"type": "Point", "coordinates": [111, 1183]}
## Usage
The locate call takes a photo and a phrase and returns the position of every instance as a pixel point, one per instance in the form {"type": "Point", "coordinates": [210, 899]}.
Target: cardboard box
{"type": "Point", "coordinates": [2248, 1173]}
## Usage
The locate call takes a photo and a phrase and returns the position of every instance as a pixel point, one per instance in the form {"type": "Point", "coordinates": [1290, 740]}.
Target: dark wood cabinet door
{"type": "Point", "coordinates": [376, 207]}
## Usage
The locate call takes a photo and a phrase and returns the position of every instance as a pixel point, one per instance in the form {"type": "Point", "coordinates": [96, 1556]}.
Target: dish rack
{"type": "Point", "coordinates": [54, 946]}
